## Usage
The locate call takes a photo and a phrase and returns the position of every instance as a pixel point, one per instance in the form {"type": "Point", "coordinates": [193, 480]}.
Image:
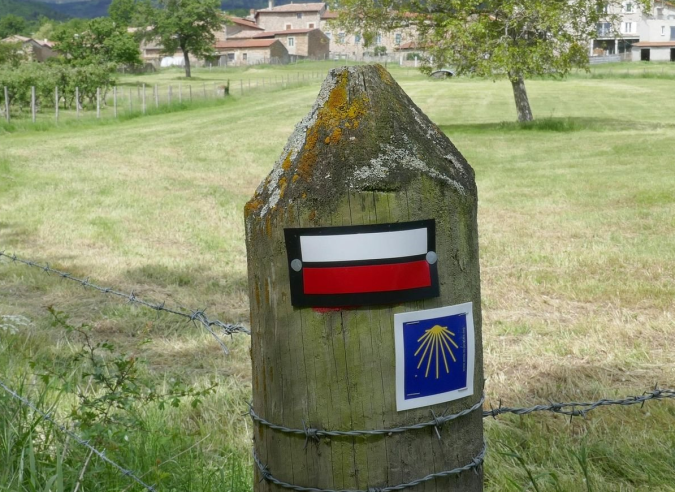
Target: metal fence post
{"type": "Point", "coordinates": [77, 102]}
{"type": "Point", "coordinates": [7, 116]}
{"type": "Point", "coordinates": [143, 102]}
{"type": "Point", "coordinates": [56, 104]}
{"type": "Point", "coordinates": [32, 102]}
{"type": "Point", "coordinates": [98, 102]}
{"type": "Point", "coordinates": [115, 101]}
{"type": "Point", "coordinates": [354, 368]}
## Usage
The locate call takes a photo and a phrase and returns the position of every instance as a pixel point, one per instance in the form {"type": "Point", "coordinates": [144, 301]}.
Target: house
{"type": "Point", "coordinates": [290, 16]}
{"type": "Point", "coordinates": [251, 51]}
{"type": "Point", "coordinates": [38, 51]}
{"type": "Point", "coordinates": [351, 45]}
{"type": "Point", "coordinates": [657, 34]}
{"type": "Point", "coordinates": [301, 43]}
{"type": "Point", "coordinates": [642, 34]}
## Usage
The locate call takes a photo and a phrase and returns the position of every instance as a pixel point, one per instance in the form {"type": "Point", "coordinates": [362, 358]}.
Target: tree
{"type": "Point", "coordinates": [99, 41]}
{"type": "Point", "coordinates": [186, 25]}
{"type": "Point", "coordinates": [124, 12]}
{"type": "Point", "coordinates": [12, 24]}
{"type": "Point", "coordinates": [11, 54]}
{"type": "Point", "coordinates": [514, 39]}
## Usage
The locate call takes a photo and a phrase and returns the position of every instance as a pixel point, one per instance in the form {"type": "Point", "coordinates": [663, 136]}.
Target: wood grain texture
{"type": "Point", "coordinates": [364, 155]}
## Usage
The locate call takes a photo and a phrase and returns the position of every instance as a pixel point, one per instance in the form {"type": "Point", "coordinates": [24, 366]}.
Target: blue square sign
{"type": "Point", "coordinates": [435, 354]}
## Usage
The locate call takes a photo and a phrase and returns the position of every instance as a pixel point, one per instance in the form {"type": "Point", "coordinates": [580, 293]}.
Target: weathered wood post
{"type": "Point", "coordinates": [369, 206]}
{"type": "Point", "coordinates": [56, 104]}
{"type": "Point", "coordinates": [32, 102]}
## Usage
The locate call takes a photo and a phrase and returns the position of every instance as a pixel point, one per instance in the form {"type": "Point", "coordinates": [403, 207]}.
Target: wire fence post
{"type": "Point", "coordinates": [77, 102]}
{"type": "Point", "coordinates": [156, 89]}
{"type": "Point", "coordinates": [241, 86]}
{"type": "Point", "coordinates": [169, 95]}
{"type": "Point", "coordinates": [56, 104]}
{"type": "Point", "coordinates": [180, 92]}
{"type": "Point", "coordinates": [32, 102]}
{"type": "Point", "coordinates": [204, 89]}
{"type": "Point", "coordinates": [144, 106]}
{"type": "Point", "coordinates": [190, 91]}
{"type": "Point", "coordinates": [131, 101]}
{"type": "Point", "coordinates": [115, 101]}
{"type": "Point", "coordinates": [7, 116]}
{"type": "Point", "coordinates": [350, 354]}
{"type": "Point", "coordinates": [98, 102]}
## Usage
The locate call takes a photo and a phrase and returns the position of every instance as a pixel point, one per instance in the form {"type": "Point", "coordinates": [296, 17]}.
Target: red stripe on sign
{"type": "Point", "coordinates": [367, 278]}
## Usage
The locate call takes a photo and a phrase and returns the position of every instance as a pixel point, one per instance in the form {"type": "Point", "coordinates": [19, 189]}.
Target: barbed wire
{"type": "Point", "coordinates": [316, 434]}
{"type": "Point", "coordinates": [472, 465]}
{"type": "Point", "coordinates": [573, 409]}
{"type": "Point", "coordinates": [193, 315]}
{"type": "Point", "coordinates": [78, 439]}
{"type": "Point", "coordinates": [580, 409]}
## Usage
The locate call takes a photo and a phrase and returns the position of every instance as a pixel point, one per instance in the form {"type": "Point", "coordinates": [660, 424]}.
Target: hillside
{"type": "Point", "coordinates": [98, 8]}
{"type": "Point", "coordinates": [29, 10]}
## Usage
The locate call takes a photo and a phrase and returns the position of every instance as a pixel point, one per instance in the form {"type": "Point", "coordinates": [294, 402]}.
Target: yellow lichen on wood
{"type": "Point", "coordinates": [336, 114]}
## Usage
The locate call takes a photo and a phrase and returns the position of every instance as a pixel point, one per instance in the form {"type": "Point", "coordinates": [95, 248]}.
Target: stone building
{"type": "Point", "coordinates": [301, 43]}
{"type": "Point", "coordinates": [290, 16]}
{"type": "Point", "coordinates": [251, 51]}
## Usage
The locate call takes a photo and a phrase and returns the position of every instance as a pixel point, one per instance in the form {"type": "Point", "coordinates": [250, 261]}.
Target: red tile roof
{"type": "Point", "coordinates": [329, 15]}
{"type": "Point", "coordinates": [246, 43]}
{"type": "Point", "coordinates": [293, 7]}
{"type": "Point", "coordinates": [245, 22]}
{"type": "Point", "coordinates": [655, 44]}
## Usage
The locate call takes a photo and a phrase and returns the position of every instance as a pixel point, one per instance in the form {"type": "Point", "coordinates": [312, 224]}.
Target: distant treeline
{"type": "Point", "coordinates": [34, 9]}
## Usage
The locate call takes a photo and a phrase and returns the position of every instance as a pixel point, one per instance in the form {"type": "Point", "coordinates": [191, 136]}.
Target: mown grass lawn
{"type": "Point", "coordinates": [576, 222]}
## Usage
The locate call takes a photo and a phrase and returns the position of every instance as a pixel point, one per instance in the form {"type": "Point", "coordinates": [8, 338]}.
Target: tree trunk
{"type": "Point", "coordinates": [520, 96]}
{"type": "Point", "coordinates": [186, 57]}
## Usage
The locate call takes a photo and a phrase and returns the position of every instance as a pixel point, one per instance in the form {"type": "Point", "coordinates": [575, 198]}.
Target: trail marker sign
{"type": "Point", "coordinates": [435, 354]}
{"type": "Point", "coordinates": [362, 265]}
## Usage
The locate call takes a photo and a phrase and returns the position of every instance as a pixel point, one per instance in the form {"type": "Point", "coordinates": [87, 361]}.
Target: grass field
{"type": "Point", "coordinates": [576, 223]}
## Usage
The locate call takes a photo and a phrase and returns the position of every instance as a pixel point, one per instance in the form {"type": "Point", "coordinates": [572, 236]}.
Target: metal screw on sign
{"type": "Point", "coordinates": [364, 294]}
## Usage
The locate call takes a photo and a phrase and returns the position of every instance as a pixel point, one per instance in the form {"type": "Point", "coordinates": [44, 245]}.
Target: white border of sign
{"type": "Point", "coordinates": [399, 319]}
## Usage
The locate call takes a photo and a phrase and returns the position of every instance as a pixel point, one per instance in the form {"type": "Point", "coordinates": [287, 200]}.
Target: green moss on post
{"type": "Point", "coordinates": [365, 154]}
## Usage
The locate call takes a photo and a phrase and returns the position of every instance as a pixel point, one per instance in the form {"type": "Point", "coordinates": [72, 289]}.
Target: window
{"type": "Point", "coordinates": [378, 39]}
{"type": "Point", "coordinates": [628, 7]}
{"type": "Point", "coordinates": [663, 30]}
{"type": "Point", "coordinates": [397, 38]}
{"type": "Point", "coordinates": [341, 37]}
{"type": "Point", "coordinates": [604, 29]}
{"type": "Point", "coordinates": [230, 56]}
{"type": "Point", "coordinates": [291, 42]}
{"type": "Point", "coordinates": [357, 38]}
{"type": "Point", "coordinates": [299, 15]}
{"type": "Point", "coordinates": [288, 27]}
{"type": "Point", "coordinates": [329, 35]}
{"type": "Point", "coordinates": [628, 27]}
{"type": "Point", "coordinates": [244, 56]}
{"type": "Point", "coordinates": [310, 25]}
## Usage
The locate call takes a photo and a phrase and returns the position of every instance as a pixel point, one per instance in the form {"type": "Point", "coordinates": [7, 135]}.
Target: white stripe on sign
{"type": "Point", "coordinates": [367, 246]}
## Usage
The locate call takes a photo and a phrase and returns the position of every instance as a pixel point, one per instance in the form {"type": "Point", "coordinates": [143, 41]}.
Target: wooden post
{"type": "Point", "coordinates": [114, 101]}
{"type": "Point", "coordinates": [143, 101]}
{"type": "Point", "coordinates": [131, 101]}
{"type": "Point", "coordinates": [7, 116]}
{"type": "Point", "coordinates": [364, 155]}
{"type": "Point", "coordinates": [77, 102]}
{"type": "Point", "coordinates": [98, 102]}
{"type": "Point", "coordinates": [32, 102]}
{"type": "Point", "coordinates": [56, 104]}
{"type": "Point", "coordinates": [156, 96]}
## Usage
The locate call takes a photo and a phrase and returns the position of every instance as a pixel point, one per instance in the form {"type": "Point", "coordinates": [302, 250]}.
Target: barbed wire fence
{"type": "Point", "coordinates": [213, 326]}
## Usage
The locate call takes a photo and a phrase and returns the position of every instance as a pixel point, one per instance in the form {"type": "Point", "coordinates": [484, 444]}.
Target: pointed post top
{"type": "Point", "coordinates": [363, 133]}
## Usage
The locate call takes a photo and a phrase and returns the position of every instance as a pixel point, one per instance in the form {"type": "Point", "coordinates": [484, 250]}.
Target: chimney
{"type": "Point", "coordinates": [270, 4]}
